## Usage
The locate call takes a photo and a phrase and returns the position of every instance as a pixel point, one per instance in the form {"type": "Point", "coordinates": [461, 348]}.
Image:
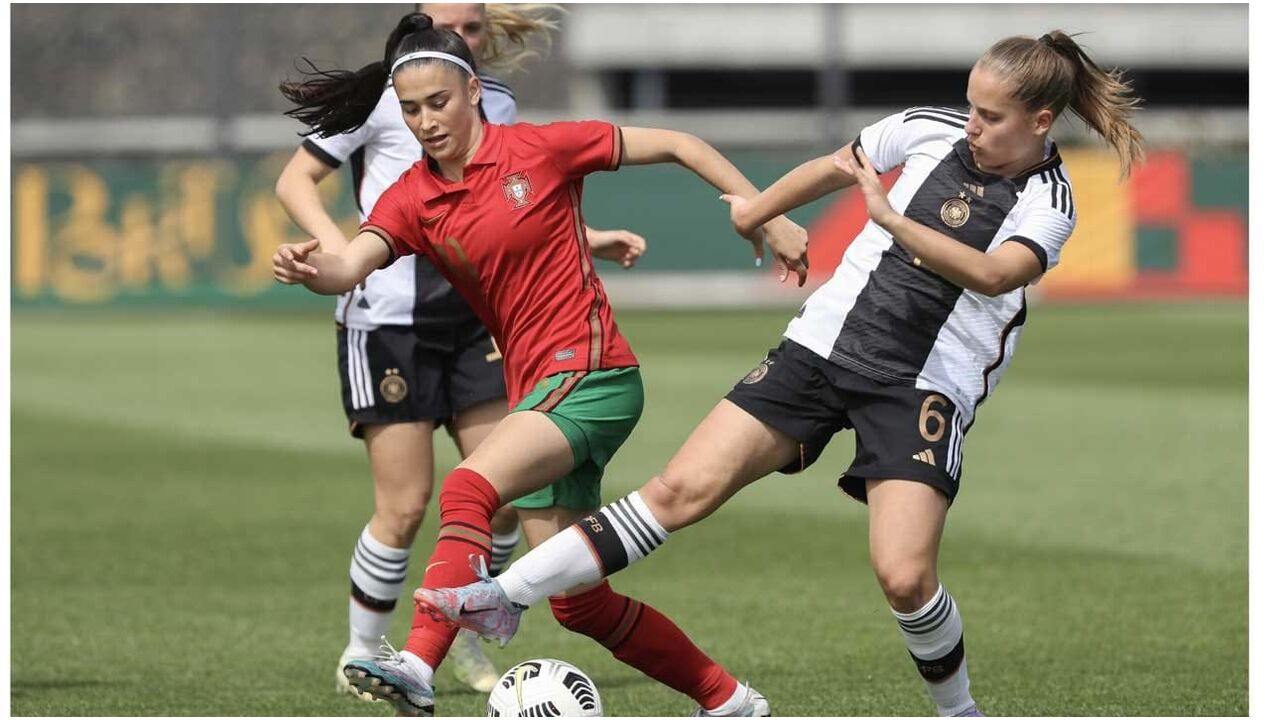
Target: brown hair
{"type": "Point", "coordinates": [1054, 72]}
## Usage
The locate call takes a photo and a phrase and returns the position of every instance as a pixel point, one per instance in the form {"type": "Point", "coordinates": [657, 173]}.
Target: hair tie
{"type": "Point", "coordinates": [424, 54]}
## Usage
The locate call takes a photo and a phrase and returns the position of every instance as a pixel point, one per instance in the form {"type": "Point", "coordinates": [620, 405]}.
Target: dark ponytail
{"type": "Point", "coordinates": [332, 102]}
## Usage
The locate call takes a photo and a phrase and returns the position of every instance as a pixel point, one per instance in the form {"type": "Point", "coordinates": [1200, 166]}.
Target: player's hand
{"type": "Point", "coordinates": [621, 246]}
{"type": "Point", "coordinates": [738, 209]}
{"type": "Point", "coordinates": [289, 264]}
{"type": "Point", "coordinates": [790, 245]}
{"type": "Point", "coordinates": [860, 167]}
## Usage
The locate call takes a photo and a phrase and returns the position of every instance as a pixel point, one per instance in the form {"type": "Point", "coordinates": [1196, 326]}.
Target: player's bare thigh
{"type": "Point", "coordinates": [728, 450]}
{"type": "Point", "coordinates": [906, 519]}
{"type": "Point", "coordinates": [401, 462]}
{"type": "Point", "coordinates": [523, 453]}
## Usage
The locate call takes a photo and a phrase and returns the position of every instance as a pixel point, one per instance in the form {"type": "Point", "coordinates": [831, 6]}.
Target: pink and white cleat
{"type": "Point", "coordinates": [481, 607]}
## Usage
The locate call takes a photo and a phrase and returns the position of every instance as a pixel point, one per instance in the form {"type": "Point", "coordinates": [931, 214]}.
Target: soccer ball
{"type": "Point", "coordinates": [545, 688]}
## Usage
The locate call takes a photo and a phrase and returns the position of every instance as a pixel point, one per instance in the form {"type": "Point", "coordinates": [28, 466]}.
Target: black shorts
{"type": "Point", "coordinates": [902, 432]}
{"type": "Point", "coordinates": [397, 374]}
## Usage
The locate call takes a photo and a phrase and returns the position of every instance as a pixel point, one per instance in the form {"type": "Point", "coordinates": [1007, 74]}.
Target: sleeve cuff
{"type": "Point", "coordinates": [616, 160]}
{"type": "Point", "coordinates": [318, 153]}
{"type": "Point", "coordinates": [1034, 247]}
{"type": "Point", "coordinates": [392, 255]}
{"type": "Point", "coordinates": [853, 150]}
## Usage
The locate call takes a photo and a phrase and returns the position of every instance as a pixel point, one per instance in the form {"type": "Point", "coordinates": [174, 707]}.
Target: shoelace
{"type": "Point", "coordinates": [388, 652]}
{"type": "Point", "coordinates": [479, 566]}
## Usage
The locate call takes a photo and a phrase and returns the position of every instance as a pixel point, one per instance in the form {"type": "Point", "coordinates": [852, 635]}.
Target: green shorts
{"type": "Point", "coordinates": [596, 411]}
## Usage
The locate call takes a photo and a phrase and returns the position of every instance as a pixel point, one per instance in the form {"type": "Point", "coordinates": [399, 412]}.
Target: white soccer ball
{"type": "Point", "coordinates": [545, 688]}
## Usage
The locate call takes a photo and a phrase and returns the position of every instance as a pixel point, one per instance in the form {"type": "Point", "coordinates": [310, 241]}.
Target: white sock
{"type": "Point", "coordinates": [377, 577]}
{"type": "Point", "coordinates": [504, 546]}
{"type": "Point", "coordinates": [419, 667]}
{"type": "Point", "coordinates": [935, 638]}
{"type": "Point", "coordinates": [735, 700]}
{"type": "Point", "coordinates": [616, 536]}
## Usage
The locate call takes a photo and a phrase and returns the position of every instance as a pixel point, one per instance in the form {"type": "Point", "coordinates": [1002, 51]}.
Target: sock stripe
{"type": "Point", "coordinates": [595, 552]}
{"type": "Point", "coordinates": [506, 544]}
{"type": "Point", "coordinates": [403, 560]}
{"type": "Point", "coordinates": [628, 622]}
{"type": "Point", "coordinates": [941, 668]}
{"type": "Point", "coordinates": [632, 530]}
{"type": "Point", "coordinates": [371, 602]}
{"type": "Point", "coordinates": [479, 530]}
{"type": "Point", "coordinates": [940, 608]}
{"type": "Point", "coordinates": [372, 573]}
{"type": "Point", "coordinates": [455, 531]}
{"type": "Point", "coordinates": [627, 505]}
{"type": "Point", "coordinates": [363, 556]}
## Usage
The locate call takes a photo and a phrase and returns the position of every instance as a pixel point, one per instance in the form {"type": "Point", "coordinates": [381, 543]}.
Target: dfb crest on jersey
{"type": "Point", "coordinates": [518, 189]}
{"type": "Point", "coordinates": [955, 212]}
{"type": "Point", "coordinates": [393, 387]}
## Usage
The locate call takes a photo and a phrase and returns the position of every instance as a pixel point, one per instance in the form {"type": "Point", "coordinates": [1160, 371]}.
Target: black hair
{"type": "Point", "coordinates": [331, 102]}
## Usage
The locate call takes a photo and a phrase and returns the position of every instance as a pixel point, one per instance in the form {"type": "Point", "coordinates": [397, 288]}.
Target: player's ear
{"type": "Point", "coordinates": [473, 90]}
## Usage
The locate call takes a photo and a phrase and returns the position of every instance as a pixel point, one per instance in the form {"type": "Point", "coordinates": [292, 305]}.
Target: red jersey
{"type": "Point", "coordinates": [510, 239]}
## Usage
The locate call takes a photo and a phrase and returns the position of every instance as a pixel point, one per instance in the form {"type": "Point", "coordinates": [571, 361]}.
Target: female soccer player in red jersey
{"type": "Point", "coordinates": [411, 355]}
{"type": "Point", "coordinates": [499, 211]}
{"type": "Point", "coordinates": [904, 342]}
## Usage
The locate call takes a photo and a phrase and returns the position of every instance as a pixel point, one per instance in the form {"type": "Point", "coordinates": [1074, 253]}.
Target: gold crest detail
{"type": "Point", "coordinates": [955, 212]}
{"type": "Point", "coordinates": [393, 387]}
{"type": "Point", "coordinates": [756, 375]}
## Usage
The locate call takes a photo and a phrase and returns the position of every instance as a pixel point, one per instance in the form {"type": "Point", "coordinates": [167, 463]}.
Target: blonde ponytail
{"type": "Point", "coordinates": [1054, 72]}
{"type": "Point", "coordinates": [510, 27]}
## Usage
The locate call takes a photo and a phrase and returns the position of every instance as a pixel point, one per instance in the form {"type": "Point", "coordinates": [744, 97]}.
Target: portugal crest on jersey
{"type": "Point", "coordinates": [518, 189]}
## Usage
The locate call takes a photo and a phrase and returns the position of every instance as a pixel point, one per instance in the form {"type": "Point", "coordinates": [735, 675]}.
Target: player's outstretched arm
{"type": "Point", "coordinates": [298, 190]}
{"type": "Point", "coordinates": [1010, 266]}
{"type": "Point", "coordinates": [801, 186]}
{"type": "Point", "coordinates": [646, 146]}
{"type": "Point", "coordinates": [329, 273]}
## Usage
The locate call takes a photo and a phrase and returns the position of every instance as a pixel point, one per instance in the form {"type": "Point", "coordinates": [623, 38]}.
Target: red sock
{"type": "Point", "coordinates": [646, 640]}
{"type": "Point", "coordinates": [467, 504]}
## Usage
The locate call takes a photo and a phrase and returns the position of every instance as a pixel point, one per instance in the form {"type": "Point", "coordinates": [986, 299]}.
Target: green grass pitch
{"type": "Point", "coordinates": [185, 499]}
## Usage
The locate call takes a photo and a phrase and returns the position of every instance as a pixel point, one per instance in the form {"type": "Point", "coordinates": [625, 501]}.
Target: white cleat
{"type": "Point", "coordinates": [470, 665]}
{"type": "Point", "coordinates": [342, 685]}
{"type": "Point", "coordinates": [753, 705]}
{"type": "Point", "coordinates": [395, 677]}
{"type": "Point", "coordinates": [971, 711]}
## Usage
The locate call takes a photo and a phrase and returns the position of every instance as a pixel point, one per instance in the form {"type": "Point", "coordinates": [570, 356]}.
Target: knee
{"type": "Point", "coordinates": [678, 497]}
{"type": "Point", "coordinates": [907, 585]}
{"type": "Point", "coordinates": [402, 520]}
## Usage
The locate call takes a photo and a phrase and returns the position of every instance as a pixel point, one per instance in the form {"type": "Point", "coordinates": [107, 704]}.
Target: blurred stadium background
{"type": "Point", "coordinates": [184, 495]}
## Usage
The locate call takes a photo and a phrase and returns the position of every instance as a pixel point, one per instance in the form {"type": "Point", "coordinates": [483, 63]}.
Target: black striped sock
{"type": "Point", "coordinates": [504, 546]}
{"type": "Point", "coordinates": [622, 533]}
{"type": "Point", "coordinates": [377, 576]}
{"type": "Point", "coordinates": [935, 639]}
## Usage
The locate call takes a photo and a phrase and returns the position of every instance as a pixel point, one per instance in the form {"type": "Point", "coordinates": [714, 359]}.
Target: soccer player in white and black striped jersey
{"type": "Point", "coordinates": [412, 355]}
{"type": "Point", "coordinates": [908, 338]}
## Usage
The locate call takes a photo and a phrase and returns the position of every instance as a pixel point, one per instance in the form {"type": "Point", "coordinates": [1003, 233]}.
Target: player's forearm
{"type": "Point", "coordinates": [300, 197]}
{"type": "Point", "coordinates": [965, 266]}
{"type": "Point", "coordinates": [336, 274]}
{"type": "Point", "coordinates": [800, 186]}
{"type": "Point", "coordinates": [707, 163]}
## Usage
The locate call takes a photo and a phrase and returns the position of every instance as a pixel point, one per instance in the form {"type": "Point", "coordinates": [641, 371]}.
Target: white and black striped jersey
{"type": "Point", "coordinates": [886, 316]}
{"type": "Point", "coordinates": [409, 292]}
